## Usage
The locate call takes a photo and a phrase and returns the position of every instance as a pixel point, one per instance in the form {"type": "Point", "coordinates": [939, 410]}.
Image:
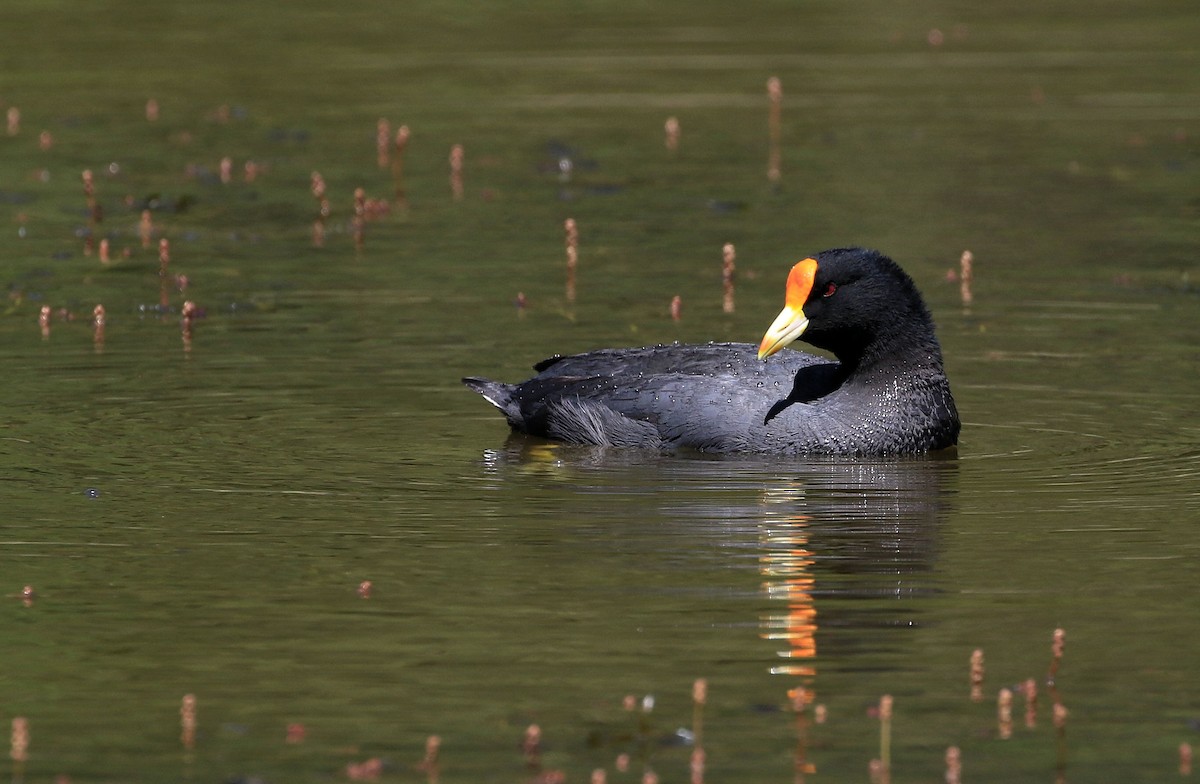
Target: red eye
{"type": "Point", "coordinates": [829, 292]}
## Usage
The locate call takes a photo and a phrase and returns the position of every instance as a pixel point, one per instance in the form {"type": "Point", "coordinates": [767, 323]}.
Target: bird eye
{"type": "Point", "coordinates": [830, 290]}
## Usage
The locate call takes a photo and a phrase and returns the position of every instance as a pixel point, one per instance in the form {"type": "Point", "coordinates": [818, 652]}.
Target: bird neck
{"type": "Point", "coordinates": [892, 353]}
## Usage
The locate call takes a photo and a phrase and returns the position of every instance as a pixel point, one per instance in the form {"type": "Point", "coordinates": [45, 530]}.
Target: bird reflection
{"type": "Point", "coordinates": [842, 522]}
{"type": "Point", "coordinates": [850, 530]}
{"type": "Point", "coordinates": [787, 566]}
{"type": "Point", "coordinates": [842, 548]}
{"type": "Point", "coordinates": [827, 531]}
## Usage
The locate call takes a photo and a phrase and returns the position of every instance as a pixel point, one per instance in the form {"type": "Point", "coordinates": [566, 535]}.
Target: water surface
{"type": "Point", "coordinates": [197, 518]}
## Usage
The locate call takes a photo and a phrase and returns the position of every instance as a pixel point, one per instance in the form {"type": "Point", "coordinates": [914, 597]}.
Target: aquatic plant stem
{"type": "Point", "coordinates": [774, 127]}
{"type": "Point", "coordinates": [977, 671]}
{"type": "Point", "coordinates": [401, 144]}
{"type": "Point", "coordinates": [457, 157]}
{"type": "Point", "coordinates": [885, 734]}
{"type": "Point", "coordinates": [572, 241]}
{"type": "Point", "coordinates": [383, 142]}
{"type": "Point", "coordinates": [965, 276]}
{"type": "Point", "coordinates": [728, 267]}
{"type": "Point", "coordinates": [671, 129]}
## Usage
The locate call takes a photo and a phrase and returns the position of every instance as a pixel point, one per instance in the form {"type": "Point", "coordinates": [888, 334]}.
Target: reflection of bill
{"type": "Point", "coordinates": [849, 522]}
{"type": "Point", "coordinates": [787, 567]}
{"type": "Point", "coordinates": [868, 529]}
{"type": "Point", "coordinates": [859, 537]}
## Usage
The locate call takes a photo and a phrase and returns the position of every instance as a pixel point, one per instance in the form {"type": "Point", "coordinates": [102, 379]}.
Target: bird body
{"type": "Point", "coordinates": [887, 392]}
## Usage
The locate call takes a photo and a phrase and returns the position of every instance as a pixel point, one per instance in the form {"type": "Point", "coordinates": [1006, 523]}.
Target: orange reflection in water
{"type": "Point", "coordinates": [787, 566]}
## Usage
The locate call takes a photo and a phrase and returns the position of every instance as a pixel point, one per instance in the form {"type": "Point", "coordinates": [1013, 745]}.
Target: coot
{"type": "Point", "coordinates": [887, 393]}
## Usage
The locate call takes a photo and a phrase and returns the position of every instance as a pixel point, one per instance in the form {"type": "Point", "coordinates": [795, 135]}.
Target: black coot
{"type": "Point", "coordinates": [886, 395]}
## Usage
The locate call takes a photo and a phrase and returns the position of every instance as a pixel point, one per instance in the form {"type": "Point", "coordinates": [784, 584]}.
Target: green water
{"type": "Point", "coordinates": [197, 519]}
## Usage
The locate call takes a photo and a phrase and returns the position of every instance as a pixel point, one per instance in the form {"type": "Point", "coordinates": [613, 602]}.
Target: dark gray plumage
{"type": "Point", "coordinates": [886, 394]}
